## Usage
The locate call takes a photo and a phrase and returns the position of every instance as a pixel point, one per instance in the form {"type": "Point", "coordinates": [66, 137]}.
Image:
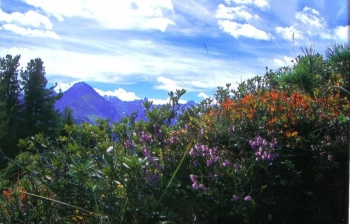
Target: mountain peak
{"type": "Point", "coordinates": [87, 104]}
{"type": "Point", "coordinates": [82, 88]}
{"type": "Point", "coordinates": [80, 84]}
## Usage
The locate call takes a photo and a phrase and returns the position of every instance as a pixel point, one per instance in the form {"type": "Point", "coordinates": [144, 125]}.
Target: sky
{"type": "Point", "coordinates": [134, 49]}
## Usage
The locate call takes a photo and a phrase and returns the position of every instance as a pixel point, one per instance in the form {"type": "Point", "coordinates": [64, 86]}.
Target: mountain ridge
{"type": "Point", "coordinates": [87, 105]}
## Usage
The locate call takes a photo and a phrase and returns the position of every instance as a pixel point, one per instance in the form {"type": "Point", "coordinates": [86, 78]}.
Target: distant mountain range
{"type": "Point", "coordinates": [88, 105]}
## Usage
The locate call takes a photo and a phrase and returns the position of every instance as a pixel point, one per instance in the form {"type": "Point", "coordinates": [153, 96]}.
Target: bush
{"type": "Point", "coordinates": [259, 154]}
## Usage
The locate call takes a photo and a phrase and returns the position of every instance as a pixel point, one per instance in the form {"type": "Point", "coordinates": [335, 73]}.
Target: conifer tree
{"type": "Point", "coordinates": [68, 116]}
{"type": "Point", "coordinates": [39, 111]}
{"type": "Point", "coordinates": [10, 109]}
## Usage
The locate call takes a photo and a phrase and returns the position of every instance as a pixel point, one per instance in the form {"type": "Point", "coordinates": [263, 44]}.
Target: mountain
{"type": "Point", "coordinates": [87, 104]}
{"type": "Point", "coordinates": [126, 108]}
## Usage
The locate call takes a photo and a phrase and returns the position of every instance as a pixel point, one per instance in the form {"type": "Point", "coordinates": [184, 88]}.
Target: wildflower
{"type": "Point", "coordinates": [129, 144]}
{"type": "Point", "coordinates": [225, 163]}
{"type": "Point", "coordinates": [152, 179]}
{"type": "Point", "coordinates": [266, 150]}
{"type": "Point", "coordinates": [23, 193]}
{"type": "Point", "coordinates": [147, 153]}
{"type": "Point", "coordinates": [248, 198]}
{"type": "Point", "coordinates": [234, 198]}
{"type": "Point", "coordinates": [194, 182]}
{"type": "Point", "coordinates": [201, 186]}
{"type": "Point", "coordinates": [145, 138]}
{"type": "Point", "coordinates": [7, 193]}
{"type": "Point", "coordinates": [158, 132]}
{"type": "Point", "coordinates": [193, 178]}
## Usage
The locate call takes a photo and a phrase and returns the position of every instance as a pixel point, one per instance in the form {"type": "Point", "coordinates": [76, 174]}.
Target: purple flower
{"type": "Point", "coordinates": [129, 145]}
{"type": "Point", "coordinates": [192, 152]}
{"type": "Point", "coordinates": [195, 183]}
{"type": "Point", "coordinates": [233, 128]}
{"type": "Point", "coordinates": [234, 198]}
{"type": "Point", "coordinates": [225, 163]}
{"type": "Point", "coordinates": [248, 198]}
{"type": "Point", "coordinates": [201, 186]}
{"type": "Point", "coordinates": [193, 178]}
{"type": "Point", "coordinates": [145, 138]}
{"type": "Point", "coordinates": [266, 150]}
{"type": "Point", "coordinates": [152, 179]}
{"type": "Point", "coordinates": [158, 132]}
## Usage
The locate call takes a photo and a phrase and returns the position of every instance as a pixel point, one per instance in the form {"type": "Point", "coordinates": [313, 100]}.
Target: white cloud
{"type": "Point", "coordinates": [259, 3]}
{"type": "Point", "coordinates": [310, 17]}
{"type": "Point", "coordinates": [203, 95]}
{"type": "Point", "coordinates": [23, 23]}
{"type": "Point", "coordinates": [244, 30]}
{"type": "Point", "coordinates": [111, 14]}
{"type": "Point", "coordinates": [162, 102]}
{"type": "Point", "coordinates": [342, 32]}
{"type": "Point", "coordinates": [65, 86]}
{"type": "Point", "coordinates": [230, 19]}
{"type": "Point", "coordinates": [30, 32]}
{"type": "Point", "coordinates": [281, 62]}
{"type": "Point", "coordinates": [130, 66]}
{"type": "Point", "coordinates": [29, 18]}
{"type": "Point", "coordinates": [197, 84]}
{"type": "Point", "coordinates": [171, 85]}
{"type": "Point", "coordinates": [120, 93]}
{"type": "Point", "coordinates": [167, 84]}
{"type": "Point", "coordinates": [289, 32]}
{"type": "Point", "coordinates": [309, 24]}
{"type": "Point", "coordinates": [232, 13]}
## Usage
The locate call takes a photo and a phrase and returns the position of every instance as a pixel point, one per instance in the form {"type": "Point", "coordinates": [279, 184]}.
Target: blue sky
{"type": "Point", "coordinates": [146, 48]}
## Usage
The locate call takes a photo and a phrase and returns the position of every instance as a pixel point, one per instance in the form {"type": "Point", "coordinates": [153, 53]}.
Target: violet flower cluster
{"type": "Point", "coordinates": [158, 132]}
{"type": "Point", "coordinates": [146, 138]}
{"type": "Point", "coordinates": [265, 150]}
{"type": "Point", "coordinates": [204, 151]}
{"type": "Point", "coordinates": [152, 176]}
{"type": "Point", "coordinates": [195, 184]}
{"type": "Point", "coordinates": [247, 198]}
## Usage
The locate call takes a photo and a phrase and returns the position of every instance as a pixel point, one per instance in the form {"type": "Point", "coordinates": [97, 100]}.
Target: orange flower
{"type": "Point", "coordinates": [247, 98]}
{"type": "Point", "coordinates": [212, 113]}
{"type": "Point", "coordinates": [227, 104]}
{"type": "Point", "coordinates": [7, 193]}
{"type": "Point", "coordinates": [273, 95]}
{"type": "Point", "coordinates": [23, 195]}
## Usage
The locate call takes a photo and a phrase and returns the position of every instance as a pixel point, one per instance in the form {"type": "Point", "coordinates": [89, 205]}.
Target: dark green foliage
{"type": "Point", "coordinates": [10, 108]}
{"type": "Point", "coordinates": [26, 105]}
{"type": "Point", "coordinates": [339, 61]}
{"type": "Point", "coordinates": [68, 116]}
{"type": "Point", "coordinates": [306, 73]}
{"type": "Point", "coordinates": [274, 152]}
{"type": "Point", "coordinates": [39, 112]}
